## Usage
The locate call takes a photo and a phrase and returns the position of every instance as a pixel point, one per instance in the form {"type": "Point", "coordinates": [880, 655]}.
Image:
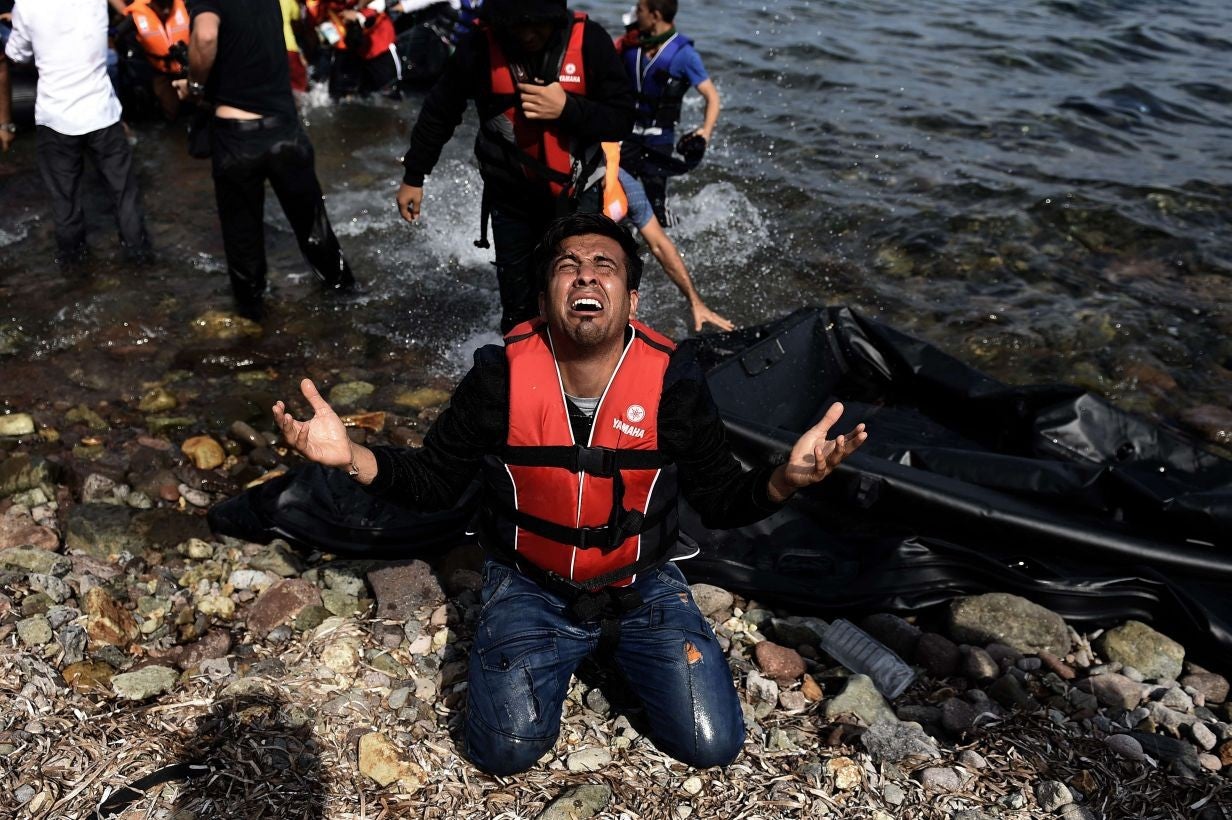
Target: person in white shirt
{"type": "Point", "coordinates": [76, 113]}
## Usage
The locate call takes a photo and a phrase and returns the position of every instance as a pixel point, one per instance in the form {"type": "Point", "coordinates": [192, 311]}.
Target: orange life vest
{"type": "Point", "coordinates": [593, 513]}
{"type": "Point", "coordinates": [615, 201]}
{"type": "Point", "coordinates": [544, 153]}
{"type": "Point", "coordinates": [379, 32]}
{"type": "Point", "coordinates": [157, 37]}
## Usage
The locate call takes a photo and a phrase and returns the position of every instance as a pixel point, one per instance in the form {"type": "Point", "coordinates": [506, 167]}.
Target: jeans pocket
{"type": "Point", "coordinates": [530, 649]}
{"type": "Point", "coordinates": [496, 578]}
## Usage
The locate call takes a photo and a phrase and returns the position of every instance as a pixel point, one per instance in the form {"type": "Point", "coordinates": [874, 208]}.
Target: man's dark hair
{"type": "Point", "coordinates": [507, 13]}
{"type": "Point", "coordinates": [580, 225]}
{"type": "Point", "coordinates": [665, 8]}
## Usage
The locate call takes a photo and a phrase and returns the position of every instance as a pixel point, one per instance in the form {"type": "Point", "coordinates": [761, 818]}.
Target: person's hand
{"type": "Point", "coordinates": [353, 15]}
{"type": "Point", "coordinates": [703, 314]}
{"type": "Point", "coordinates": [181, 88]}
{"type": "Point", "coordinates": [410, 201]}
{"type": "Point", "coordinates": [814, 457]}
{"type": "Point", "coordinates": [323, 438]}
{"type": "Point", "coordinates": [703, 133]}
{"type": "Point", "coordinates": [542, 102]}
{"type": "Point", "coordinates": [6, 139]}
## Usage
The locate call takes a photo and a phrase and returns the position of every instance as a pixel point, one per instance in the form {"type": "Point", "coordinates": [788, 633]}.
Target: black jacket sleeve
{"type": "Point", "coordinates": [691, 433]}
{"type": "Point", "coordinates": [444, 106]}
{"type": "Point", "coordinates": [434, 476]}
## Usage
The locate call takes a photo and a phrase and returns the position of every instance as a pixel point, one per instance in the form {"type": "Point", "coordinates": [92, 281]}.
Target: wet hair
{"type": "Point", "coordinates": [581, 225]}
{"type": "Point", "coordinates": [665, 8]}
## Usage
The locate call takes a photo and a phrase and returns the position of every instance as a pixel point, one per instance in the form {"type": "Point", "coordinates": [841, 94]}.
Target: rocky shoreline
{"type": "Point", "coordinates": [132, 639]}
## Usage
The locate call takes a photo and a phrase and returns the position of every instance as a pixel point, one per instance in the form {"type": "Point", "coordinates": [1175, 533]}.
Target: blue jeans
{"type": "Point", "coordinates": [526, 649]}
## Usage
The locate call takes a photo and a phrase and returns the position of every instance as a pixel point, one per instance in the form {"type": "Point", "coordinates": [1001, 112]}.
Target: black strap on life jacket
{"type": "Point", "coordinates": [598, 461]}
{"type": "Point", "coordinates": [623, 524]}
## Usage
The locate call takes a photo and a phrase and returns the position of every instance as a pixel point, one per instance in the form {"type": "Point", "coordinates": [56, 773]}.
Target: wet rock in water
{"type": "Point", "coordinates": [157, 400]}
{"type": "Point", "coordinates": [860, 698]}
{"type": "Point", "coordinates": [23, 471]}
{"type": "Point", "coordinates": [1125, 746]}
{"type": "Point", "coordinates": [164, 424]}
{"type": "Point", "coordinates": [280, 604]}
{"type": "Point", "coordinates": [28, 559]}
{"type": "Point", "coordinates": [107, 621]}
{"type": "Point", "coordinates": [782, 664]}
{"type": "Point", "coordinates": [146, 682]}
{"type": "Point", "coordinates": [589, 760]}
{"type": "Point", "coordinates": [1008, 619]}
{"type": "Point", "coordinates": [16, 424]}
{"type": "Point", "coordinates": [244, 433]}
{"type": "Point", "coordinates": [712, 600]}
{"type": "Point", "coordinates": [350, 394]}
{"type": "Point", "coordinates": [937, 654]}
{"type": "Point", "coordinates": [218, 325]}
{"type": "Point", "coordinates": [895, 741]}
{"type": "Point", "coordinates": [402, 587]}
{"type": "Point", "coordinates": [421, 398]}
{"type": "Point", "coordinates": [1212, 422]}
{"type": "Point", "coordinates": [899, 636]}
{"type": "Point", "coordinates": [578, 803]}
{"type": "Point", "coordinates": [204, 452]}
{"type": "Point", "coordinates": [20, 530]}
{"type": "Point", "coordinates": [1135, 644]}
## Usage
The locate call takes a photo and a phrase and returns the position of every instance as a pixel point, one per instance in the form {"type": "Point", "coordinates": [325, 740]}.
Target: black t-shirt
{"type": "Point", "coordinates": [6, 6]}
{"type": "Point", "coordinates": [250, 71]}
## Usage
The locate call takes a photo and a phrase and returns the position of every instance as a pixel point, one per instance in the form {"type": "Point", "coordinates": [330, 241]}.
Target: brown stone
{"type": "Point", "coordinates": [21, 531]}
{"type": "Point", "coordinates": [1211, 421]}
{"type": "Point", "coordinates": [281, 603]}
{"type": "Point", "coordinates": [1057, 666]}
{"type": "Point", "coordinates": [811, 689]}
{"type": "Point", "coordinates": [213, 644]}
{"type": "Point", "coordinates": [374, 421]}
{"type": "Point", "coordinates": [107, 621]}
{"type": "Point", "coordinates": [1214, 687]}
{"type": "Point", "coordinates": [88, 676]}
{"type": "Point", "coordinates": [1224, 752]}
{"type": "Point", "coordinates": [781, 663]}
{"type": "Point", "coordinates": [403, 587]}
{"type": "Point", "coordinates": [206, 454]}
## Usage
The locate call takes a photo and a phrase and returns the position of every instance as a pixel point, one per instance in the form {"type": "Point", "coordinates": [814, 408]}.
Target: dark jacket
{"type": "Point", "coordinates": [605, 114]}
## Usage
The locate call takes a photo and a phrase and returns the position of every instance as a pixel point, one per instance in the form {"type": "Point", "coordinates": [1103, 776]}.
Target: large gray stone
{"type": "Point", "coordinates": [144, 683]}
{"type": "Point", "coordinates": [1009, 619]}
{"type": "Point", "coordinates": [39, 561]}
{"type": "Point", "coordinates": [711, 600]}
{"type": "Point", "coordinates": [894, 741]}
{"type": "Point", "coordinates": [1135, 644]}
{"type": "Point", "coordinates": [861, 698]}
{"type": "Point", "coordinates": [403, 587]}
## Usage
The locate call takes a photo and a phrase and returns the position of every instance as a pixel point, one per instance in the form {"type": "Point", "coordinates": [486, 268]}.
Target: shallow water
{"type": "Point", "coordinates": [1043, 189]}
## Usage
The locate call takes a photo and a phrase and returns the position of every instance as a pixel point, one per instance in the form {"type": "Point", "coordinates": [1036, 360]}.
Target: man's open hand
{"type": "Point", "coordinates": [542, 102]}
{"type": "Point", "coordinates": [814, 457]}
{"type": "Point", "coordinates": [323, 438]}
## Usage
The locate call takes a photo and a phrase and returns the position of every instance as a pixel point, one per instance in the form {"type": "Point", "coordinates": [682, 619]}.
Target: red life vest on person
{"type": "Point", "coordinates": [593, 513]}
{"type": "Point", "coordinates": [541, 149]}
{"type": "Point", "coordinates": [157, 37]}
{"type": "Point", "coordinates": [379, 32]}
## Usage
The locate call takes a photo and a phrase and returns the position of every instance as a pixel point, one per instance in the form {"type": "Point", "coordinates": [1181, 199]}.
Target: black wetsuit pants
{"type": "Point", "coordinates": [61, 161]}
{"type": "Point", "coordinates": [515, 233]}
{"type": "Point", "coordinates": [246, 153]}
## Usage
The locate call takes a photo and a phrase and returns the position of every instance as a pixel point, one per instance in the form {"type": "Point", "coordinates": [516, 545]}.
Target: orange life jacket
{"type": "Point", "coordinates": [593, 513]}
{"type": "Point", "coordinates": [379, 32]}
{"type": "Point", "coordinates": [539, 146]}
{"type": "Point", "coordinates": [157, 37]}
{"type": "Point", "coordinates": [615, 201]}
